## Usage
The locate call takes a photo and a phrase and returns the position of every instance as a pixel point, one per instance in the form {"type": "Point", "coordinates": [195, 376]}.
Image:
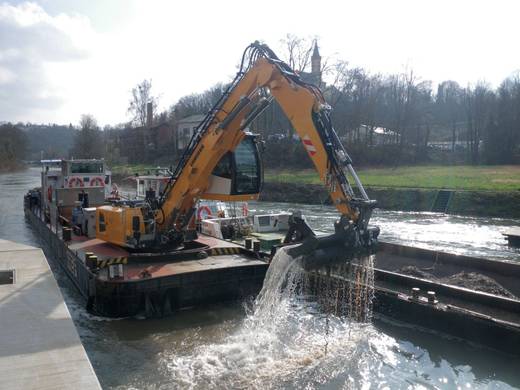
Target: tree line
{"type": "Point", "coordinates": [394, 118]}
{"type": "Point", "coordinates": [13, 147]}
{"type": "Point", "coordinates": [382, 119]}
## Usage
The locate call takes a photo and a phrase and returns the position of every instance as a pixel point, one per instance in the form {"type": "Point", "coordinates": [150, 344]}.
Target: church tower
{"type": "Point", "coordinates": [316, 63]}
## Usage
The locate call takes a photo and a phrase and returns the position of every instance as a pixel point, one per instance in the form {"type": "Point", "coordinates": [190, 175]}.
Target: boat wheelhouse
{"type": "Point", "coordinates": [66, 182]}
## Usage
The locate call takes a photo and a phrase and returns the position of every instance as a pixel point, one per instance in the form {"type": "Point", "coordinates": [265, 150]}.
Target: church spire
{"type": "Point", "coordinates": [316, 52]}
{"type": "Point", "coordinates": [316, 60]}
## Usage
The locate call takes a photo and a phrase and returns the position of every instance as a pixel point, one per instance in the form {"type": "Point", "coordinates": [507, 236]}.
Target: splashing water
{"type": "Point", "coordinates": [287, 339]}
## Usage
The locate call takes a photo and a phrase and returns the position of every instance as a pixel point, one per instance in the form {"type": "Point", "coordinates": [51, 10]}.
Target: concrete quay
{"type": "Point", "coordinates": [39, 345]}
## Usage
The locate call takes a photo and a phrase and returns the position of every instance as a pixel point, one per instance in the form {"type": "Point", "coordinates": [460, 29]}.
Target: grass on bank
{"type": "Point", "coordinates": [472, 178]}
{"type": "Point", "coordinates": [131, 169]}
{"type": "Point", "coordinates": [460, 177]}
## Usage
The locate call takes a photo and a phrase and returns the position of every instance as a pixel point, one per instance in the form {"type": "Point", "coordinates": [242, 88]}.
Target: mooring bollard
{"type": "Point", "coordinates": [415, 292]}
{"type": "Point", "coordinates": [66, 233]}
{"type": "Point", "coordinates": [248, 243]}
{"type": "Point", "coordinates": [256, 246]}
{"type": "Point", "coordinates": [93, 261]}
{"type": "Point", "coordinates": [88, 260]}
{"type": "Point", "coordinates": [431, 297]}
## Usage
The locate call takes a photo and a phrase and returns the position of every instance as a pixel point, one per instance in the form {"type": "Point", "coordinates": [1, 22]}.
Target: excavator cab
{"type": "Point", "coordinates": [238, 175]}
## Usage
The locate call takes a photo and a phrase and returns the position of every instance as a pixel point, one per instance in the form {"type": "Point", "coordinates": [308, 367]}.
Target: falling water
{"type": "Point", "coordinates": [344, 288]}
{"type": "Point", "coordinates": [288, 332]}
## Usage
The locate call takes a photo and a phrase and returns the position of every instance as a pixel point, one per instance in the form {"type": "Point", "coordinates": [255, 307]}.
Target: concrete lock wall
{"type": "Point", "coordinates": [40, 347]}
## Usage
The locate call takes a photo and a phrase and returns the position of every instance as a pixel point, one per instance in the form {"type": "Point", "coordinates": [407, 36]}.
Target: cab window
{"type": "Point", "coordinates": [247, 170]}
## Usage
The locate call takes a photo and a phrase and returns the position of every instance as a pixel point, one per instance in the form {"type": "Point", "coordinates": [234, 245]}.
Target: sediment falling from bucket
{"type": "Point", "coordinates": [361, 292]}
{"type": "Point", "coordinates": [344, 287]}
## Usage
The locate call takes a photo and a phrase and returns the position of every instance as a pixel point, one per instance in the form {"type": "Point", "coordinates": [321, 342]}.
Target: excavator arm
{"type": "Point", "coordinates": [262, 78]}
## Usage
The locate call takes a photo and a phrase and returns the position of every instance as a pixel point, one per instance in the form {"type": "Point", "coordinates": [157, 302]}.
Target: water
{"type": "Point", "coordinates": [472, 236]}
{"type": "Point", "coordinates": [294, 343]}
{"type": "Point", "coordinates": [285, 341]}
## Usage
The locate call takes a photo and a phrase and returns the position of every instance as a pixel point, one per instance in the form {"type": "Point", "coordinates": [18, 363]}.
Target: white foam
{"type": "Point", "coordinates": [283, 339]}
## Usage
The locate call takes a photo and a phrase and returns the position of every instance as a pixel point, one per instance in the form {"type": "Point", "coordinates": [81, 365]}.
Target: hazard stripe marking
{"type": "Point", "coordinates": [224, 251]}
{"type": "Point", "coordinates": [309, 146]}
{"type": "Point", "coordinates": [115, 260]}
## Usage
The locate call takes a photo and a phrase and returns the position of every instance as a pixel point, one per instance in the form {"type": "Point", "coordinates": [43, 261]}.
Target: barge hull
{"type": "Point", "coordinates": [185, 284]}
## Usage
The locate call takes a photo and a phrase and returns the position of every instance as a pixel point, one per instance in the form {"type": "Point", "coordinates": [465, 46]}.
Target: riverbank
{"type": "Point", "coordinates": [490, 191]}
{"type": "Point", "coordinates": [504, 204]}
{"type": "Point", "coordinates": [12, 166]}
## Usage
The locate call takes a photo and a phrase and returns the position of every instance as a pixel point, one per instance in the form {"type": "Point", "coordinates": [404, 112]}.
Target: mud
{"type": "Point", "coordinates": [470, 280]}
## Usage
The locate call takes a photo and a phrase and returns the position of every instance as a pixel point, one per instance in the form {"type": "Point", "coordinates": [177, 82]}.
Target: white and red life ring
{"type": "Point", "coordinates": [75, 182]}
{"type": "Point", "coordinates": [97, 182]}
{"type": "Point", "coordinates": [245, 209]}
{"type": "Point", "coordinates": [204, 212]}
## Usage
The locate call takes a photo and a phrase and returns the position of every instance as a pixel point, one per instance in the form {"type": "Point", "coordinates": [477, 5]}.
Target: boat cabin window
{"type": "Point", "coordinates": [102, 225]}
{"type": "Point", "coordinates": [86, 167]}
{"type": "Point", "coordinates": [264, 220]}
{"type": "Point", "coordinates": [141, 188]}
{"type": "Point", "coordinates": [83, 198]}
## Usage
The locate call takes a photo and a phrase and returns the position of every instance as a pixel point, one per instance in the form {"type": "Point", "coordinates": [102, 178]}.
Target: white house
{"type": "Point", "coordinates": [185, 129]}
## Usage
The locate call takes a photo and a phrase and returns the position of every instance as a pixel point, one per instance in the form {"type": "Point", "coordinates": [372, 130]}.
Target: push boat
{"type": "Point", "coordinates": [421, 287]}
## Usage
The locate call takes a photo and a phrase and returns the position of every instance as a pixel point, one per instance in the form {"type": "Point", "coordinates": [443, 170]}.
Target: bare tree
{"type": "Point", "coordinates": [88, 142]}
{"type": "Point", "coordinates": [297, 52]}
{"type": "Point", "coordinates": [477, 102]}
{"type": "Point", "coordinates": [141, 96]}
{"type": "Point", "coordinates": [448, 105]}
{"type": "Point", "coordinates": [197, 103]}
{"type": "Point", "coordinates": [502, 137]}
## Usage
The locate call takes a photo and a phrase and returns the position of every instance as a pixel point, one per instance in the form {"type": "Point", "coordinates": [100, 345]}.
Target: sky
{"type": "Point", "coordinates": [60, 59]}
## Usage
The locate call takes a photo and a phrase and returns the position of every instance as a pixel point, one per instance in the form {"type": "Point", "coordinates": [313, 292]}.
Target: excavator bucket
{"type": "Point", "coordinates": [347, 241]}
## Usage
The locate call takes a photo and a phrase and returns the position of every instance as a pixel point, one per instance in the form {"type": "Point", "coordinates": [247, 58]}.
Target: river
{"type": "Point", "coordinates": [294, 346]}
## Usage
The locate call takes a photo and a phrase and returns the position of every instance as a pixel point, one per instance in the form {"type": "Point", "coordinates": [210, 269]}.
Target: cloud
{"type": "Point", "coordinates": [30, 41]}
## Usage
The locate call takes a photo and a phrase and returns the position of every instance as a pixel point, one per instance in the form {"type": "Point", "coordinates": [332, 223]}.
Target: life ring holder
{"type": "Point", "coordinates": [202, 209]}
{"type": "Point", "coordinates": [95, 180]}
{"type": "Point", "coordinates": [74, 180]}
{"type": "Point", "coordinates": [114, 194]}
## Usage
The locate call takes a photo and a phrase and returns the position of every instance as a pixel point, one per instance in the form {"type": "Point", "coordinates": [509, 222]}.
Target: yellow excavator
{"type": "Point", "coordinates": [222, 162]}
